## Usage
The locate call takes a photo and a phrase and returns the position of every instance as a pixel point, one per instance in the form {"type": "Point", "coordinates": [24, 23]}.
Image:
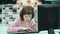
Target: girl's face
{"type": "Point", "coordinates": [27, 17]}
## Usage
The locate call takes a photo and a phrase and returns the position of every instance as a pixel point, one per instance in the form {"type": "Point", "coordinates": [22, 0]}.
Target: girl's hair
{"type": "Point", "coordinates": [27, 10]}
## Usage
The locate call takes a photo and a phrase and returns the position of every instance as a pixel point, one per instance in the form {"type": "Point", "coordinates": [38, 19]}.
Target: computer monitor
{"type": "Point", "coordinates": [48, 16]}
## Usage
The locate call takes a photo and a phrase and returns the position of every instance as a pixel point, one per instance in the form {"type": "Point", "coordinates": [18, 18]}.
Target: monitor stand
{"type": "Point", "coordinates": [51, 31]}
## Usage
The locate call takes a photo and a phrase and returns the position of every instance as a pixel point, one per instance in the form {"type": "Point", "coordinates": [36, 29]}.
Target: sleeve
{"type": "Point", "coordinates": [33, 25]}
{"type": "Point", "coordinates": [13, 27]}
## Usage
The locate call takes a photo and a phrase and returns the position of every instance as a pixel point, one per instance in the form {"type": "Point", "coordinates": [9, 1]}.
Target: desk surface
{"type": "Point", "coordinates": [3, 31]}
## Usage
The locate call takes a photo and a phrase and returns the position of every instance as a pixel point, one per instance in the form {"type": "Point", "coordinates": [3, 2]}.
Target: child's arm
{"type": "Point", "coordinates": [13, 27]}
{"type": "Point", "coordinates": [34, 25]}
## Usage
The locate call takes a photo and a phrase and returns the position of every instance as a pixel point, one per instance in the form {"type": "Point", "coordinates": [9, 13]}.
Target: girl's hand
{"type": "Point", "coordinates": [28, 28]}
{"type": "Point", "coordinates": [22, 29]}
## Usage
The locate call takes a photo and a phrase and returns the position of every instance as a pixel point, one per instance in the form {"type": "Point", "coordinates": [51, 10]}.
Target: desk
{"type": "Point", "coordinates": [26, 32]}
{"type": "Point", "coordinates": [3, 30]}
{"type": "Point", "coordinates": [22, 33]}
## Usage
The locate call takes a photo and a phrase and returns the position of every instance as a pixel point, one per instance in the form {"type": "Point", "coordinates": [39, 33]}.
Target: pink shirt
{"type": "Point", "coordinates": [17, 23]}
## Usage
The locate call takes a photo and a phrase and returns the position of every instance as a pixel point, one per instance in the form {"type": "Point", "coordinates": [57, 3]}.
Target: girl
{"type": "Point", "coordinates": [25, 21]}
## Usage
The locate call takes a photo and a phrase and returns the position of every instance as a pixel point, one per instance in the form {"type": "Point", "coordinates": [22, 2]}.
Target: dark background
{"type": "Point", "coordinates": [8, 1]}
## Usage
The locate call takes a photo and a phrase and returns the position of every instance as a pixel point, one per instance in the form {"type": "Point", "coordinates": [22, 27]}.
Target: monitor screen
{"type": "Point", "coordinates": [48, 16]}
{"type": "Point", "coordinates": [24, 20]}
